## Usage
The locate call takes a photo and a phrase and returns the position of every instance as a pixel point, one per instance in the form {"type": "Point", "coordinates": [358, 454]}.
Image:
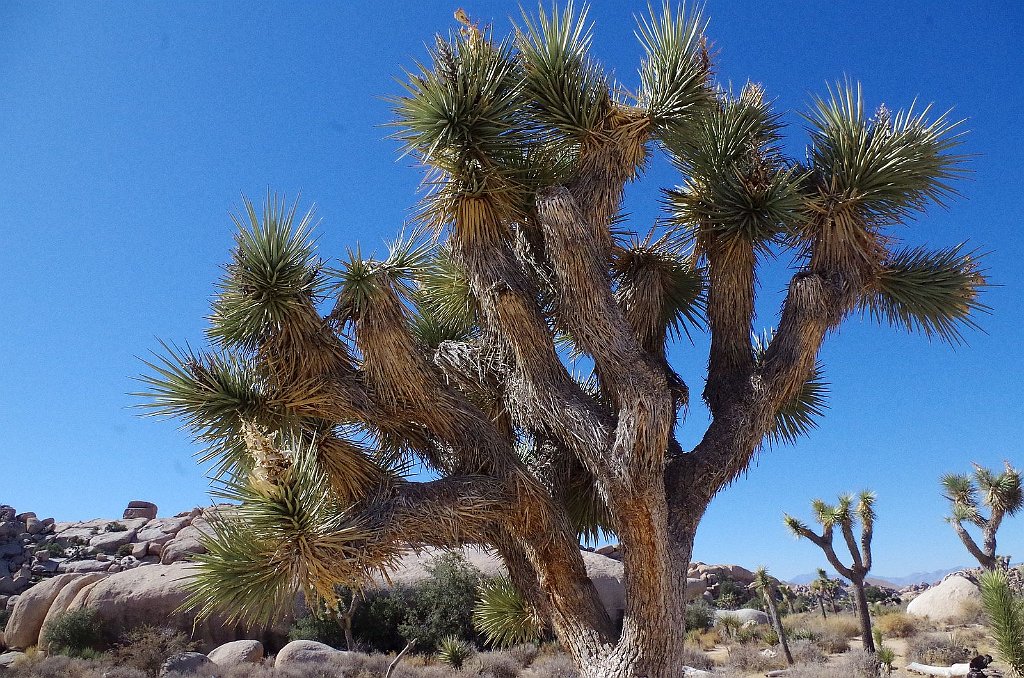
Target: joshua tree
{"type": "Point", "coordinates": [451, 354]}
{"type": "Point", "coordinates": [825, 588]}
{"type": "Point", "coordinates": [766, 585]}
{"type": "Point", "coordinates": [1001, 493]}
{"type": "Point", "coordinates": [845, 515]}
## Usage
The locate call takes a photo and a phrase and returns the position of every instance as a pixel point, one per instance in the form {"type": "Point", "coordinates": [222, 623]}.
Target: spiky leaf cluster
{"type": "Point", "coordinates": [503, 616]}
{"type": "Point", "coordinates": [1005, 613]}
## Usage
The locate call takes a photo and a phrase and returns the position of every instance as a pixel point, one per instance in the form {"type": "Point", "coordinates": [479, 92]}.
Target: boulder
{"type": "Point", "coordinates": [140, 509]}
{"type": "Point", "coordinates": [111, 541]}
{"type": "Point", "coordinates": [237, 652]}
{"type": "Point", "coordinates": [185, 663]}
{"type": "Point", "coordinates": [745, 616]}
{"type": "Point", "coordinates": [64, 598]}
{"type": "Point", "coordinates": [300, 654]}
{"type": "Point", "coordinates": [151, 596]}
{"type": "Point", "coordinates": [26, 620]}
{"type": "Point", "coordinates": [7, 512]}
{"type": "Point", "coordinates": [10, 660]}
{"type": "Point", "coordinates": [180, 549]}
{"type": "Point", "coordinates": [140, 549]}
{"type": "Point", "coordinates": [83, 566]}
{"type": "Point", "coordinates": [34, 526]}
{"type": "Point", "coordinates": [944, 603]}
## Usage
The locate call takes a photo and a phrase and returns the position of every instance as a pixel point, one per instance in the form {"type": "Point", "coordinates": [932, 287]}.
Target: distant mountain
{"type": "Point", "coordinates": [885, 580]}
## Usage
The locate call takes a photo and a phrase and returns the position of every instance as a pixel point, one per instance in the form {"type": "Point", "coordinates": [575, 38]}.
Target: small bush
{"type": "Point", "coordinates": [897, 625]}
{"type": "Point", "coordinates": [75, 633]}
{"type": "Point", "coordinates": [754, 659]}
{"type": "Point", "coordinates": [497, 665]}
{"type": "Point", "coordinates": [697, 660]}
{"type": "Point", "coordinates": [806, 652]}
{"type": "Point", "coordinates": [147, 647]}
{"type": "Point", "coordinates": [453, 651]}
{"type": "Point", "coordinates": [62, 666]}
{"type": "Point", "coordinates": [319, 628]}
{"type": "Point", "coordinates": [115, 526]}
{"type": "Point", "coordinates": [524, 654]}
{"type": "Point", "coordinates": [855, 664]}
{"type": "Point", "coordinates": [553, 666]}
{"type": "Point", "coordinates": [124, 550]}
{"type": "Point", "coordinates": [699, 616]}
{"type": "Point", "coordinates": [937, 649]}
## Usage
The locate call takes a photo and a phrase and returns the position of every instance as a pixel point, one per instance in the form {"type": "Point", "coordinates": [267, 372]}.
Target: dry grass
{"type": "Point", "coordinates": [899, 625]}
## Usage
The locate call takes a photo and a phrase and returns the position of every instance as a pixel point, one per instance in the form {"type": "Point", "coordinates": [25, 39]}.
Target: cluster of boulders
{"type": "Point", "coordinates": [23, 554]}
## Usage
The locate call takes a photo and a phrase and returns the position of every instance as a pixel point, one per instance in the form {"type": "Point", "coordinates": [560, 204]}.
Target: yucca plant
{"type": "Point", "coordinates": [1001, 493]}
{"type": "Point", "coordinates": [766, 586]}
{"type": "Point", "coordinates": [454, 651]}
{"type": "Point", "coordinates": [357, 407]}
{"type": "Point", "coordinates": [844, 515]}
{"type": "Point", "coordinates": [1005, 612]}
{"type": "Point", "coordinates": [503, 616]}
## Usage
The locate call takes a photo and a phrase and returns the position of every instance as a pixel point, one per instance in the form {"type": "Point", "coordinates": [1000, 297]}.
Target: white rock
{"type": "Point", "coordinates": [744, 615]}
{"type": "Point", "coordinates": [10, 660]}
{"type": "Point", "coordinates": [237, 652]}
{"type": "Point", "coordinates": [300, 653]}
{"type": "Point", "coordinates": [945, 602]}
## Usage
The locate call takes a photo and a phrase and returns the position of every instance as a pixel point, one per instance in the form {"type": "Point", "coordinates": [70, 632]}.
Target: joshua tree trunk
{"type": "Point", "coordinates": [763, 582]}
{"type": "Point", "coordinates": [863, 613]}
{"type": "Point", "coordinates": [821, 606]}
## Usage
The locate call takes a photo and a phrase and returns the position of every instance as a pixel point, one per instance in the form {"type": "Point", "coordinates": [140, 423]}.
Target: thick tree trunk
{"type": "Point", "coordinates": [863, 615]}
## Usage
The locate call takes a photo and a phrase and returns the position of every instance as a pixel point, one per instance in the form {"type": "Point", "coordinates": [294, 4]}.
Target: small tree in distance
{"type": "Point", "coordinates": [1003, 496]}
{"type": "Point", "coordinates": [844, 515]}
{"type": "Point", "coordinates": [766, 585]}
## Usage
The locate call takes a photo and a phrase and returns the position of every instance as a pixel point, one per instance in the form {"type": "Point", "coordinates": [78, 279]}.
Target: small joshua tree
{"type": "Point", "coordinates": [1001, 493]}
{"type": "Point", "coordinates": [825, 588]}
{"type": "Point", "coordinates": [843, 515]}
{"type": "Point", "coordinates": [766, 585]}
{"type": "Point", "coordinates": [1006, 619]}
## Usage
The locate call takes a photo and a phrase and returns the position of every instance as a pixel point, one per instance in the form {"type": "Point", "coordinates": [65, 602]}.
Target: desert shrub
{"type": "Point", "coordinates": [442, 605]}
{"type": "Point", "coordinates": [806, 652]}
{"type": "Point", "coordinates": [861, 664]}
{"type": "Point", "coordinates": [697, 659]}
{"type": "Point", "coordinates": [376, 622]}
{"type": "Point", "coordinates": [749, 634]}
{"type": "Point", "coordinates": [147, 647]}
{"type": "Point", "coordinates": [897, 625]}
{"type": "Point", "coordinates": [751, 658]}
{"type": "Point", "coordinates": [552, 666]}
{"type": "Point", "coordinates": [497, 665]}
{"type": "Point", "coordinates": [62, 666]}
{"type": "Point", "coordinates": [115, 526]}
{"type": "Point", "coordinates": [728, 623]}
{"type": "Point", "coordinates": [124, 550]}
{"type": "Point", "coordinates": [875, 594]}
{"type": "Point", "coordinates": [855, 664]}
{"type": "Point", "coordinates": [729, 595]}
{"type": "Point", "coordinates": [76, 633]}
{"type": "Point", "coordinates": [317, 627]}
{"type": "Point", "coordinates": [453, 651]}
{"type": "Point", "coordinates": [525, 653]}
{"type": "Point", "coordinates": [941, 649]}
{"type": "Point", "coordinates": [971, 612]}
{"type": "Point", "coordinates": [699, 616]}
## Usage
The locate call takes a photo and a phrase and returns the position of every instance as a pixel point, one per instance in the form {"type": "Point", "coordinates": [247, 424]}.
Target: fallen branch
{"type": "Point", "coordinates": [924, 669]}
{"type": "Point", "coordinates": [393, 665]}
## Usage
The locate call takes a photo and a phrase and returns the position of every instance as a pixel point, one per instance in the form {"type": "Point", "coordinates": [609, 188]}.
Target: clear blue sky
{"type": "Point", "coordinates": [129, 130]}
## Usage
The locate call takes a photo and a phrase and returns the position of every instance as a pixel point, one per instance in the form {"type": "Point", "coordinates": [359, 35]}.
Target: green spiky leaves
{"type": "Point", "coordinates": [675, 71]}
{"type": "Point", "coordinates": [503, 616]}
{"type": "Point", "coordinates": [1005, 612]}
{"type": "Point", "coordinates": [934, 292]}
{"type": "Point", "coordinates": [568, 92]}
{"type": "Point", "coordinates": [880, 170]}
{"type": "Point", "coordinates": [274, 273]}
{"type": "Point", "coordinates": [799, 416]}
{"type": "Point", "coordinates": [738, 188]}
{"type": "Point", "coordinates": [287, 533]}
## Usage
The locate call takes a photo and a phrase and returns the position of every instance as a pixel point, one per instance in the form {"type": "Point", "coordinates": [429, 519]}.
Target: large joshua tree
{"type": "Point", "coordinates": [451, 353]}
{"type": "Point", "coordinates": [845, 515]}
{"type": "Point", "coordinates": [1000, 492]}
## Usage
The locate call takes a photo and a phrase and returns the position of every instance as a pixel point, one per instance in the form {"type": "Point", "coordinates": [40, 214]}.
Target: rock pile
{"type": "Point", "coordinates": [24, 540]}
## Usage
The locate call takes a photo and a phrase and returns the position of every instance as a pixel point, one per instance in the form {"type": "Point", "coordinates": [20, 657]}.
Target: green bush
{"type": "Point", "coordinates": [115, 526]}
{"type": "Point", "coordinates": [124, 550]}
{"type": "Point", "coordinates": [442, 605]}
{"type": "Point", "coordinates": [699, 616]}
{"type": "Point", "coordinates": [147, 647]}
{"type": "Point", "coordinates": [76, 634]}
{"type": "Point", "coordinates": [937, 650]}
{"type": "Point", "coordinates": [320, 628]}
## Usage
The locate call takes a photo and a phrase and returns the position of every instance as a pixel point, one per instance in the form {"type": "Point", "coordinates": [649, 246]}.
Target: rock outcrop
{"type": "Point", "coordinates": [945, 602]}
{"type": "Point", "coordinates": [237, 652]}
